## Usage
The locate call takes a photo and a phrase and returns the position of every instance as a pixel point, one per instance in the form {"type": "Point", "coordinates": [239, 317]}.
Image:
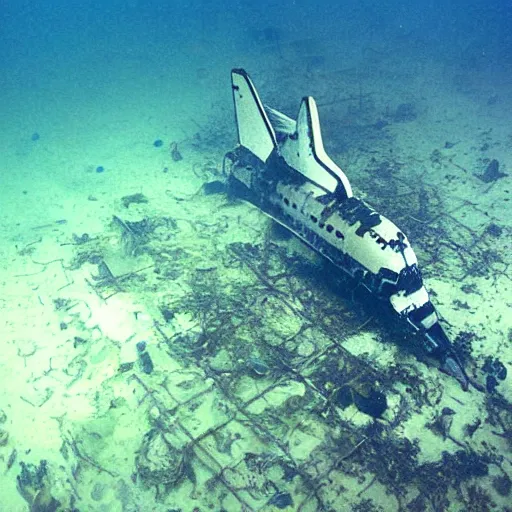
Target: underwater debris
{"type": "Point", "coordinates": [494, 230]}
{"type": "Point", "coordinates": [11, 460]}
{"type": "Point", "coordinates": [373, 403]}
{"type": "Point", "coordinates": [215, 313]}
{"type": "Point", "coordinates": [87, 251]}
{"type": "Point", "coordinates": [33, 486]}
{"type": "Point", "coordinates": [492, 172]}
{"type": "Point", "coordinates": [478, 500]}
{"type": "Point", "coordinates": [61, 304]}
{"type": "Point", "coordinates": [392, 460]}
{"type": "Point", "coordinates": [502, 484]}
{"type": "Point", "coordinates": [134, 234]}
{"type": "Point", "coordinates": [435, 479]}
{"type": "Point", "coordinates": [160, 464]}
{"type": "Point", "coordinates": [442, 424]}
{"type": "Point", "coordinates": [471, 428]}
{"type": "Point", "coordinates": [138, 198]}
{"type": "Point", "coordinates": [458, 305]}
{"type": "Point", "coordinates": [80, 240]}
{"type": "Point", "coordinates": [167, 313]}
{"type": "Point", "coordinates": [257, 366]}
{"type": "Point", "coordinates": [367, 505]}
{"type": "Point", "coordinates": [77, 341]}
{"type": "Point", "coordinates": [436, 158]}
{"type": "Point", "coordinates": [175, 153]}
{"type": "Point", "coordinates": [496, 371]}
{"type": "Point", "coordinates": [106, 284]}
{"type": "Point", "coordinates": [4, 437]}
{"type": "Point", "coordinates": [145, 361]}
{"type": "Point", "coordinates": [344, 397]}
{"type": "Point", "coordinates": [370, 401]}
{"type": "Point", "coordinates": [281, 500]}
{"type": "Point", "coordinates": [126, 367]}
{"type": "Point", "coordinates": [464, 465]}
{"type": "Point", "coordinates": [104, 275]}
{"type": "Point", "coordinates": [214, 187]}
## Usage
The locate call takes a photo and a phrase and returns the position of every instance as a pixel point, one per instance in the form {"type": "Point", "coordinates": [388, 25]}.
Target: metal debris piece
{"type": "Point", "coordinates": [159, 463]}
{"type": "Point", "coordinates": [492, 172]}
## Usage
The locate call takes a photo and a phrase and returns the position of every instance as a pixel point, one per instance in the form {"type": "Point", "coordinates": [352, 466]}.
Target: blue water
{"type": "Point", "coordinates": [69, 67]}
{"type": "Point", "coordinates": [99, 98]}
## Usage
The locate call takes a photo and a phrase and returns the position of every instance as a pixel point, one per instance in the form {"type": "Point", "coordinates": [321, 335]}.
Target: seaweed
{"type": "Point", "coordinates": [216, 312]}
{"type": "Point", "coordinates": [393, 461]}
{"type": "Point", "coordinates": [366, 505]}
{"type": "Point", "coordinates": [478, 500]}
{"type": "Point", "coordinates": [499, 414]}
{"type": "Point", "coordinates": [434, 479]}
{"type": "Point", "coordinates": [502, 484]}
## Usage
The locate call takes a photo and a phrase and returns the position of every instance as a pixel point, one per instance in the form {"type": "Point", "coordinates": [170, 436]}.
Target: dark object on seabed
{"type": "Point", "coordinates": [80, 240]}
{"type": "Point", "coordinates": [138, 198]}
{"type": "Point", "coordinates": [492, 172]}
{"type": "Point", "coordinates": [77, 341]}
{"type": "Point", "coordinates": [158, 143]}
{"type": "Point", "coordinates": [33, 486]}
{"type": "Point", "coordinates": [125, 367]}
{"type": "Point", "coordinates": [281, 500]}
{"type": "Point", "coordinates": [257, 366]}
{"type": "Point", "coordinates": [496, 371]}
{"type": "Point", "coordinates": [494, 230]}
{"type": "Point", "coordinates": [373, 403]}
{"type": "Point", "coordinates": [144, 358]}
{"type": "Point", "coordinates": [35, 136]}
{"type": "Point", "coordinates": [502, 484]}
{"type": "Point", "coordinates": [214, 187]}
{"type": "Point", "coordinates": [175, 153]}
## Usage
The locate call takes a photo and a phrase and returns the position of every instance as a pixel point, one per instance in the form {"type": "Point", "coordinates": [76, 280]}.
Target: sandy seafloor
{"type": "Point", "coordinates": [209, 429]}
